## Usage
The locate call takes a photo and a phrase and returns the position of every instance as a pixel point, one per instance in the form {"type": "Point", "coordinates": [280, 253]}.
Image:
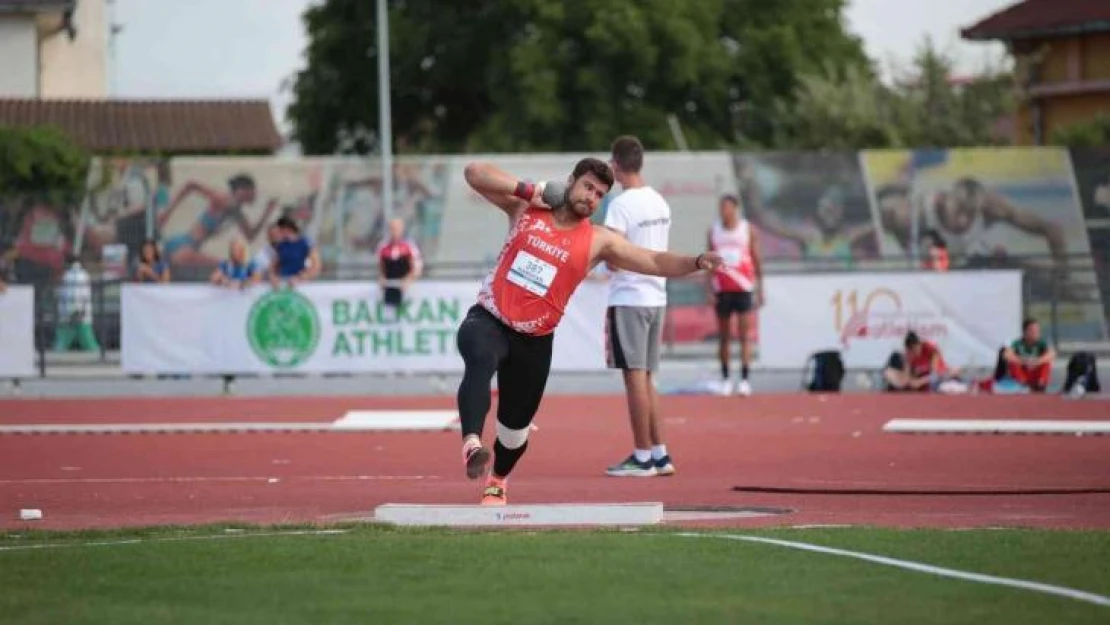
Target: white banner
{"type": "Point", "coordinates": [324, 327]}
{"type": "Point", "coordinates": [17, 332]}
{"type": "Point", "coordinates": [968, 314]}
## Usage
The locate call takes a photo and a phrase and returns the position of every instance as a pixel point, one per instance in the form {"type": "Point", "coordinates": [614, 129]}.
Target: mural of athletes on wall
{"type": "Point", "coordinates": [199, 206]}
{"type": "Point", "coordinates": [351, 223]}
{"type": "Point", "coordinates": [808, 206]}
{"type": "Point", "coordinates": [1044, 210]}
{"type": "Point", "coordinates": [992, 207]}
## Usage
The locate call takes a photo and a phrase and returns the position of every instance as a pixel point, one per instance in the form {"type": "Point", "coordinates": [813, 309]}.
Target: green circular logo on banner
{"type": "Point", "coordinates": [283, 328]}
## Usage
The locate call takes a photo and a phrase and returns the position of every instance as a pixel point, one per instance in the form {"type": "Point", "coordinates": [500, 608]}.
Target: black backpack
{"type": "Point", "coordinates": [897, 361]}
{"type": "Point", "coordinates": [1082, 368]}
{"type": "Point", "coordinates": [824, 372]}
{"type": "Point", "coordinates": [1001, 367]}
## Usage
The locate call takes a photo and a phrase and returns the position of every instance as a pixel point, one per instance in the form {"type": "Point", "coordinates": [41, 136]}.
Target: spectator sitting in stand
{"type": "Point", "coordinates": [264, 258]}
{"type": "Point", "coordinates": [399, 264]}
{"type": "Point", "coordinates": [238, 271]}
{"type": "Point", "coordinates": [295, 258]}
{"type": "Point", "coordinates": [920, 368]}
{"type": "Point", "coordinates": [151, 267]}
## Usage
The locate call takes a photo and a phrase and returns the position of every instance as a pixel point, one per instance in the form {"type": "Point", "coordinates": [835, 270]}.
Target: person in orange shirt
{"type": "Point", "coordinates": [936, 252]}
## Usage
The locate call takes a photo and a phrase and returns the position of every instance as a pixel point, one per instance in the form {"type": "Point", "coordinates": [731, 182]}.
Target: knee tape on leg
{"type": "Point", "coordinates": [511, 439]}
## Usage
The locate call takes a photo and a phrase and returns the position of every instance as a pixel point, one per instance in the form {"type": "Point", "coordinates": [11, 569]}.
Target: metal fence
{"type": "Point", "coordinates": [62, 339]}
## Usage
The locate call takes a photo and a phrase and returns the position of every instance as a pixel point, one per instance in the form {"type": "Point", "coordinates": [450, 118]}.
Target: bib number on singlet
{"type": "Point", "coordinates": [731, 256]}
{"type": "Point", "coordinates": [532, 274]}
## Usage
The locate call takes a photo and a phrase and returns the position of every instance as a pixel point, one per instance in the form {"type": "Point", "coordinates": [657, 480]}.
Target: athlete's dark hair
{"type": "Point", "coordinates": [628, 153]}
{"type": "Point", "coordinates": [596, 167]}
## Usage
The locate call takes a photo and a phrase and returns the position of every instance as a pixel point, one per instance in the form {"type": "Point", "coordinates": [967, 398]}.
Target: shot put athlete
{"type": "Point", "coordinates": [550, 248]}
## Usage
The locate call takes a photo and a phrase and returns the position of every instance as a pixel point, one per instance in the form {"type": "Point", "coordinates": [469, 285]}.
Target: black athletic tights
{"type": "Point", "coordinates": [522, 364]}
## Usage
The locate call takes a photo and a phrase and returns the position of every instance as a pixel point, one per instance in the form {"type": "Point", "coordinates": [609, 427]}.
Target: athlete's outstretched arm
{"type": "Point", "coordinates": [619, 252]}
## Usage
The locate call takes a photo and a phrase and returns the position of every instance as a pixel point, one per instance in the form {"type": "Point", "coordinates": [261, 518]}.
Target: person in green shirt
{"type": "Point", "coordinates": [1029, 359]}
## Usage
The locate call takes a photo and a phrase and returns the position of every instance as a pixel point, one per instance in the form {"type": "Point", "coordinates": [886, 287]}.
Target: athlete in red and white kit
{"type": "Point", "coordinates": [550, 248]}
{"type": "Point", "coordinates": [733, 288]}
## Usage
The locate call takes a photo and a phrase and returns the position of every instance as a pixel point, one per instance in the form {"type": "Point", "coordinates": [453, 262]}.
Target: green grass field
{"type": "Point", "coordinates": [382, 575]}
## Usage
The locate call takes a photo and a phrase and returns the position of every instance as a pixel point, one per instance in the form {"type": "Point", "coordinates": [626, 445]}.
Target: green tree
{"type": "Point", "coordinates": [41, 161]}
{"type": "Point", "coordinates": [845, 114]}
{"type": "Point", "coordinates": [922, 108]}
{"type": "Point", "coordinates": [1090, 134]}
{"type": "Point", "coordinates": [529, 75]}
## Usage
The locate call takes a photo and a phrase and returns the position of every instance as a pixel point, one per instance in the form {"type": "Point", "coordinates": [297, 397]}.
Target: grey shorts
{"type": "Point", "coordinates": [632, 337]}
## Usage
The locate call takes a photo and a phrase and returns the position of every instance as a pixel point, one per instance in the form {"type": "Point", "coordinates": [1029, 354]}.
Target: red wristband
{"type": "Point", "coordinates": [524, 190]}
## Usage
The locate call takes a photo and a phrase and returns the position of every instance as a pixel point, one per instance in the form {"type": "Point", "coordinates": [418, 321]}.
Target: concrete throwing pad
{"type": "Point", "coordinates": [398, 420]}
{"type": "Point", "coordinates": [995, 426]}
{"type": "Point", "coordinates": [623, 514]}
{"type": "Point", "coordinates": [354, 421]}
{"type": "Point", "coordinates": [678, 514]}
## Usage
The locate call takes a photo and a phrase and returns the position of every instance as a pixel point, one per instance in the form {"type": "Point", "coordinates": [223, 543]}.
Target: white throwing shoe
{"type": "Point", "coordinates": [743, 388]}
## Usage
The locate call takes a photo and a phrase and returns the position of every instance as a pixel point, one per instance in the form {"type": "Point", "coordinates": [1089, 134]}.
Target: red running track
{"type": "Point", "coordinates": [793, 441]}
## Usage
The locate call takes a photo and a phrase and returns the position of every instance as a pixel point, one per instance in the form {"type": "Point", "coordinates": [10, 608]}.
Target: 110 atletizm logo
{"type": "Point", "coordinates": [283, 328]}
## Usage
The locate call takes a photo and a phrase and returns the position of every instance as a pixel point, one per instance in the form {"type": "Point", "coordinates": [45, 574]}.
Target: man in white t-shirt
{"type": "Point", "coordinates": [637, 305]}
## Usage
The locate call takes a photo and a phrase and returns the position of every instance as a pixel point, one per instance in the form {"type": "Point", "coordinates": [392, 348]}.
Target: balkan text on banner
{"type": "Point", "coordinates": [324, 327]}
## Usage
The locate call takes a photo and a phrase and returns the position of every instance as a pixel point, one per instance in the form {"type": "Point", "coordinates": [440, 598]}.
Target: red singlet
{"type": "Point", "coordinates": [537, 271]}
{"type": "Point", "coordinates": [922, 364]}
{"type": "Point", "coordinates": [737, 273]}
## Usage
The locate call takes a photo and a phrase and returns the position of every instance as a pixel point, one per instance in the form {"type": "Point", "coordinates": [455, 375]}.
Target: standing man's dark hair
{"type": "Point", "coordinates": [628, 154]}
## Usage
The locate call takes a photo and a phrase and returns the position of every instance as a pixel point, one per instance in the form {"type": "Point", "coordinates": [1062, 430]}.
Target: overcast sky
{"type": "Point", "coordinates": [246, 48]}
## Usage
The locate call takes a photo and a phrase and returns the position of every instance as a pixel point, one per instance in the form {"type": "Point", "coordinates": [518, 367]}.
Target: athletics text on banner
{"type": "Point", "coordinates": [324, 327]}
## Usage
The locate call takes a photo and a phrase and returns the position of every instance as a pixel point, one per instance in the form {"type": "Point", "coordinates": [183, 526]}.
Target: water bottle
{"type": "Point", "coordinates": [1078, 390]}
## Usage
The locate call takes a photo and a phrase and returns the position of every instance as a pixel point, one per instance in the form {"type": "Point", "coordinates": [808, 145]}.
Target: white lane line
{"type": "Point", "coordinates": [169, 539]}
{"type": "Point", "coordinates": [996, 426]}
{"type": "Point", "coordinates": [910, 565]}
{"type": "Point", "coordinates": [216, 478]}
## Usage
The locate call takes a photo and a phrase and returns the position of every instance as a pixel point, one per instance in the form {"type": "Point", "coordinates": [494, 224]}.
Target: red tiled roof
{"type": "Point", "coordinates": [36, 5]}
{"type": "Point", "coordinates": [1042, 17]}
{"type": "Point", "coordinates": [163, 126]}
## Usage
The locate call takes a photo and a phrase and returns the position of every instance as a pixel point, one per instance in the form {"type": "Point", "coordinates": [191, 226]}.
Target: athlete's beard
{"type": "Point", "coordinates": [581, 208]}
{"type": "Point", "coordinates": [567, 212]}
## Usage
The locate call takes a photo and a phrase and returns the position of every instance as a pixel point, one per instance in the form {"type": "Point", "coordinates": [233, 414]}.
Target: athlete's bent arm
{"type": "Point", "coordinates": [620, 253]}
{"type": "Point", "coordinates": [504, 191]}
{"type": "Point", "coordinates": [496, 185]}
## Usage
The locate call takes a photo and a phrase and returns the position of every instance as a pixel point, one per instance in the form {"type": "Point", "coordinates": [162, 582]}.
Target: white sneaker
{"type": "Point", "coordinates": [723, 387]}
{"type": "Point", "coordinates": [743, 388]}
